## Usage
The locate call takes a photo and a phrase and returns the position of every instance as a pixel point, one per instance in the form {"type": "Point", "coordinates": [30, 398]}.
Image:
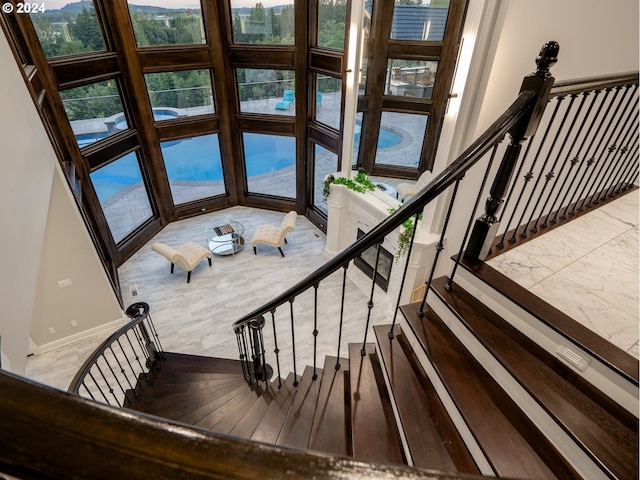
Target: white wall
{"type": "Point", "coordinates": [595, 38]}
{"type": "Point", "coordinates": [43, 238]}
{"type": "Point", "coordinates": [27, 162]}
{"type": "Point", "coordinates": [68, 254]}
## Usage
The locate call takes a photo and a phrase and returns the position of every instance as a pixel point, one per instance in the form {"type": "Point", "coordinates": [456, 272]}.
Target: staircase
{"type": "Point", "coordinates": [459, 389]}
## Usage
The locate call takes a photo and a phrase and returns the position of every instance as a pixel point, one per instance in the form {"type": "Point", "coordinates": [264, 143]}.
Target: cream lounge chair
{"type": "Point", "coordinates": [187, 257]}
{"type": "Point", "coordinates": [274, 236]}
{"type": "Point", "coordinates": [405, 189]}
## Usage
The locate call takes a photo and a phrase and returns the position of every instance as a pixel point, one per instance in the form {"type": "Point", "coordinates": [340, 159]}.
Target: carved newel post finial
{"type": "Point", "coordinates": [547, 58]}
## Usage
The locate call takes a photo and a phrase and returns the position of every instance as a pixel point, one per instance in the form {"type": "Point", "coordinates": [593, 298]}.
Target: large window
{"type": "Point", "coordinates": [194, 168]}
{"type": "Point", "coordinates": [266, 22]}
{"type": "Point", "coordinates": [331, 23]}
{"type": "Point", "coordinates": [329, 100]}
{"type": "Point", "coordinates": [123, 195]}
{"type": "Point", "coordinates": [400, 139]}
{"type": "Point", "coordinates": [94, 111]}
{"type": "Point", "coordinates": [410, 78]}
{"type": "Point", "coordinates": [69, 30]}
{"type": "Point", "coordinates": [188, 91]}
{"type": "Point", "coordinates": [325, 163]}
{"type": "Point", "coordinates": [270, 162]}
{"type": "Point", "coordinates": [155, 25]}
{"type": "Point", "coordinates": [266, 91]}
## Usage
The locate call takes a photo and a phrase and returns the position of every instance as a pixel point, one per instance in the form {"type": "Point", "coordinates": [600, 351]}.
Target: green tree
{"type": "Point", "coordinates": [87, 29]}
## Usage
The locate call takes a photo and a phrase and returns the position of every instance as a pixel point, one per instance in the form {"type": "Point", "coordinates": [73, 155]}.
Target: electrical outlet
{"type": "Point", "coordinates": [52, 330]}
{"type": "Point", "coordinates": [65, 283]}
{"type": "Point", "coordinates": [74, 323]}
{"type": "Point", "coordinates": [133, 288]}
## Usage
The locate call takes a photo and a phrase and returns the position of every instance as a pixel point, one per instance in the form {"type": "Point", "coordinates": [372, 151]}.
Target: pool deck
{"type": "Point", "coordinates": [130, 207]}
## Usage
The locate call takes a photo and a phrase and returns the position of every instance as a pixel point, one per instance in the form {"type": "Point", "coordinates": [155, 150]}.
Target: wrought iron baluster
{"type": "Point", "coordinates": [416, 217]}
{"type": "Point", "coordinates": [126, 357]}
{"type": "Point", "coordinates": [107, 384]}
{"type": "Point", "coordinates": [614, 143]}
{"type": "Point", "coordinates": [152, 327]}
{"type": "Point", "coordinates": [527, 177]}
{"type": "Point", "coordinates": [245, 373]}
{"type": "Point", "coordinates": [315, 331]}
{"type": "Point", "coordinates": [143, 346]}
{"type": "Point", "coordinates": [344, 285]}
{"type": "Point", "coordinates": [568, 161]}
{"type": "Point", "coordinates": [276, 349]}
{"type": "Point", "coordinates": [247, 356]}
{"type": "Point", "coordinates": [363, 352]}
{"type": "Point", "coordinates": [530, 175]}
{"type": "Point", "coordinates": [550, 174]}
{"type": "Point", "coordinates": [576, 159]}
{"type": "Point", "coordinates": [137, 357]}
{"type": "Point", "coordinates": [440, 247]}
{"type": "Point", "coordinates": [122, 370]}
{"type": "Point", "coordinates": [88, 391]}
{"type": "Point", "coordinates": [623, 164]}
{"type": "Point", "coordinates": [260, 367]}
{"type": "Point", "coordinates": [293, 343]}
{"type": "Point", "coordinates": [593, 177]}
{"type": "Point", "coordinates": [115, 377]}
{"type": "Point", "coordinates": [625, 130]}
{"type": "Point", "coordinates": [626, 181]}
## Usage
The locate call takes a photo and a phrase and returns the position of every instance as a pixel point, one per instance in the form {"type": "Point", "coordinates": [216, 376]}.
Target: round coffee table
{"type": "Point", "coordinates": [226, 238]}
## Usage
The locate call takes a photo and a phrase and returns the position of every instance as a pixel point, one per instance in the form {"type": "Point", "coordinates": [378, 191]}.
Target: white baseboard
{"type": "Point", "coordinates": [35, 349]}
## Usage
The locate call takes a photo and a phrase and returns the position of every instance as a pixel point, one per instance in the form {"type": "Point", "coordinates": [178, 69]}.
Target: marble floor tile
{"type": "Point", "coordinates": [590, 270]}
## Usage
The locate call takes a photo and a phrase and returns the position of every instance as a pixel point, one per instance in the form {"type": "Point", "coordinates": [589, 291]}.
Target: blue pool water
{"type": "Point", "coordinates": [198, 160]}
{"type": "Point", "coordinates": [386, 138]}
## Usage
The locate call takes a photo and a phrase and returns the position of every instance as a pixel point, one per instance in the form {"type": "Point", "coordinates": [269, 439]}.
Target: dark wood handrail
{"type": "Point", "coordinates": [47, 433]}
{"type": "Point", "coordinates": [593, 83]}
{"type": "Point", "coordinates": [455, 171]}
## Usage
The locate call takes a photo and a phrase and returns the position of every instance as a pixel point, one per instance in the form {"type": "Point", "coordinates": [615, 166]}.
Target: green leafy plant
{"type": "Point", "coordinates": [359, 183]}
{"type": "Point", "coordinates": [404, 237]}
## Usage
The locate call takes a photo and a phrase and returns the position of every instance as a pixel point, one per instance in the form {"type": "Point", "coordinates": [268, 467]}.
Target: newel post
{"type": "Point", "coordinates": [486, 226]}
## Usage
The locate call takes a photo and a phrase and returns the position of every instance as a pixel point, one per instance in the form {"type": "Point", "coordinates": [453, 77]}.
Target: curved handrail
{"type": "Point", "coordinates": [415, 205]}
{"type": "Point", "coordinates": [138, 312]}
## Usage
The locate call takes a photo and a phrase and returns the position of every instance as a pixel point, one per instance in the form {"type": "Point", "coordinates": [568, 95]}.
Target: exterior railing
{"type": "Point", "coordinates": [123, 362]}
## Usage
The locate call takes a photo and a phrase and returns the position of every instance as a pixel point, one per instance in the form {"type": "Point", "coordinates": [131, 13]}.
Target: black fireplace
{"type": "Point", "coordinates": [367, 262]}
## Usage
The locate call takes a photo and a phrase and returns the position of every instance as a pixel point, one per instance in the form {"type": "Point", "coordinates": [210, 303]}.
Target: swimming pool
{"type": "Point", "coordinates": [386, 139]}
{"type": "Point", "coordinates": [198, 159]}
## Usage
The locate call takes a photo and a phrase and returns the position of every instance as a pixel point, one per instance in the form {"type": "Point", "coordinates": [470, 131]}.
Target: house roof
{"type": "Point", "coordinates": [418, 23]}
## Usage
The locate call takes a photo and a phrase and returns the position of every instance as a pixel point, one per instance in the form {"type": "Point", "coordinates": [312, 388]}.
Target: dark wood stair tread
{"type": "Point", "coordinates": [604, 429]}
{"type": "Point", "coordinates": [511, 443]}
{"type": "Point", "coordinates": [174, 406]}
{"type": "Point", "coordinates": [160, 391]}
{"type": "Point", "coordinates": [217, 402]}
{"type": "Point", "coordinates": [221, 364]}
{"type": "Point", "coordinates": [329, 429]}
{"type": "Point", "coordinates": [620, 361]}
{"type": "Point", "coordinates": [296, 429]}
{"type": "Point", "coordinates": [268, 429]}
{"type": "Point", "coordinates": [245, 427]}
{"type": "Point", "coordinates": [224, 419]}
{"type": "Point", "coordinates": [373, 431]}
{"type": "Point", "coordinates": [432, 438]}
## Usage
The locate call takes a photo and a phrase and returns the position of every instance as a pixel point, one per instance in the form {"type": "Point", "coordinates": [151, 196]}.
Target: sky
{"type": "Point", "coordinates": [55, 4]}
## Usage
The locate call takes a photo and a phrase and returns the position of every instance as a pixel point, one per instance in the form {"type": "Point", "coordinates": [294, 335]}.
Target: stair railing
{"type": "Point", "coordinates": [123, 362]}
{"type": "Point", "coordinates": [519, 121]}
{"type": "Point", "coordinates": [584, 153]}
